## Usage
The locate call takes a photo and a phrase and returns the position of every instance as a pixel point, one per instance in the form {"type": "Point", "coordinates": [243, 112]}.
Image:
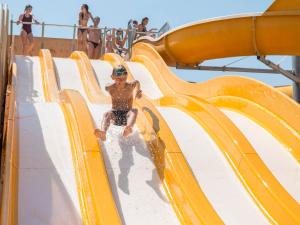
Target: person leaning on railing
{"type": "Point", "coordinates": [142, 28]}
{"type": "Point", "coordinates": [26, 33]}
{"type": "Point", "coordinates": [119, 42]}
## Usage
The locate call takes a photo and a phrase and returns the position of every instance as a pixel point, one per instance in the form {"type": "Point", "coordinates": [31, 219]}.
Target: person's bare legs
{"type": "Point", "coordinates": [81, 40]}
{"type": "Point", "coordinates": [30, 44]}
{"type": "Point", "coordinates": [90, 50]}
{"type": "Point", "coordinates": [24, 41]}
{"type": "Point", "coordinates": [101, 133]}
{"type": "Point", "coordinates": [131, 118]}
{"type": "Point", "coordinates": [97, 51]}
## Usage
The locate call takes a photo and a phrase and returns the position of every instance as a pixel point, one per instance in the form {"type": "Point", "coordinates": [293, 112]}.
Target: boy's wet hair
{"type": "Point", "coordinates": [119, 71]}
{"type": "Point", "coordinates": [97, 18]}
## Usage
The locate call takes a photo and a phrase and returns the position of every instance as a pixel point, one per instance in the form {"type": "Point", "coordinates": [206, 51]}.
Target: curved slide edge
{"type": "Point", "coordinates": [10, 155]}
{"type": "Point", "coordinates": [231, 36]}
{"type": "Point", "coordinates": [288, 90]}
{"type": "Point", "coordinates": [50, 86]}
{"type": "Point", "coordinates": [281, 106]}
{"type": "Point", "coordinates": [94, 93]}
{"type": "Point", "coordinates": [97, 203]}
{"type": "Point", "coordinates": [263, 117]}
{"type": "Point", "coordinates": [187, 198]}
{"type": "Point", "coordinates": [266, 191]}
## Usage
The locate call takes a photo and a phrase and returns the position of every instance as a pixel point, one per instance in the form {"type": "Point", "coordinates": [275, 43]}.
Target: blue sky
{"type": "Point", "coordinates": [177, 12]}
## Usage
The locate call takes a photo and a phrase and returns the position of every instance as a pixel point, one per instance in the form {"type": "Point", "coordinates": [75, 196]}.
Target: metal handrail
{"type": "Point", "coordinates": [79, 26]}
{"type": "Point", "coordinates": [105, 31]}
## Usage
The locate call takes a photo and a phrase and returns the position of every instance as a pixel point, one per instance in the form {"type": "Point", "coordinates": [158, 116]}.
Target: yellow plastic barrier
{"type": "Point", "coordinates": [88, 79]}
{"type": "Point", "coordinates": [95, 196]}
{"type": "Point", "coordinates": [10, 155]}
{"type": "Point", "coordinates": [48, 76]}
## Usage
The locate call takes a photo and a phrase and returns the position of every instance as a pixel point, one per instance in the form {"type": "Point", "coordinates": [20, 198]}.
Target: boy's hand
{"type": "Point", "coordinates": [138, 94]}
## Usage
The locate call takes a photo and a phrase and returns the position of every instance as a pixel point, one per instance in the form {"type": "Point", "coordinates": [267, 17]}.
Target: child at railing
{"type": "Point", "coordinates": [143, 28]}
{"type": "Point", "coordinates": [119, 42]}
{"type": "Point", "coordinates": [84, 17]}
{"type": "Point", "coordinates": [94, 40]}
{"type": "Point", "coordinates": [26, 33]}
{"type": "Point", "coordinates": [122, 113]}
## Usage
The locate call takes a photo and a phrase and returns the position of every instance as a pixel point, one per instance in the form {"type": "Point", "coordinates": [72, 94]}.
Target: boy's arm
{"type": "Point", "coordinates": [108, 87]}
{"type": "Point", "coordinates": [137, 87]}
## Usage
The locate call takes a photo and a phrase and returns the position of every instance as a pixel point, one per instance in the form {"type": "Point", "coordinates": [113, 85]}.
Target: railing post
{"type": "Point", "coordinates": [296, 86]}
{"type": "Point", "coordinates": [74, 37]}
{"type": "Point", "coordinates": [103, 47]}
{"type": "Point", "coordinates": [11, 30]}
{"type": "Point", "coordinates": [43, 35]}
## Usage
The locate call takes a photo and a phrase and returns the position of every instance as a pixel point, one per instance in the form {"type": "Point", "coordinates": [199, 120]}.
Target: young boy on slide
{"type": "Point", "coordinates": [122, 113]}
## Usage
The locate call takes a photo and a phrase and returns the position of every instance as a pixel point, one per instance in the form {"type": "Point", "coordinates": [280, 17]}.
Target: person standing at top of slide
{"type": "Point", "coordinates": [143, 28]}
{"type": "Point", "coordinates": [26, 33]}
{"type": "Point", "coordinates": [94, 40]}
{"type": "Point", "coordinates": [84, 17]}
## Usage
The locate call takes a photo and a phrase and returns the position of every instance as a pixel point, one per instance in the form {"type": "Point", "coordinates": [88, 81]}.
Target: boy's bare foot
{"type": "Point", "coordinates": [127, 131]}
{"type": "Point", "coordinates": [100, 134]}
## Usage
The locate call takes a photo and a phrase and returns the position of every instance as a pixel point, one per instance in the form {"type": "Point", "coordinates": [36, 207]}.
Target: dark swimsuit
{"type": "Point", "coordinates": [82, 30]}
{"type": "Point", "coordinates": [120, 117]}
{"type": "Point", "coordinates": [94, 43]}
{"type": "Point", "coordinates": [27, 27]}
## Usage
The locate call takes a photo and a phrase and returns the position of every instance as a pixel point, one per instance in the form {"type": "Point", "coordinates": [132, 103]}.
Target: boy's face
{"type": "Point", "coordinates": [119, 80]}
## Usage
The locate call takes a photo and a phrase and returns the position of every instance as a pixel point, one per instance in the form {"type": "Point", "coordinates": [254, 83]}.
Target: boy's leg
{"type": "Point", "coordinates": [131, 118]}
{"type": "Point", "coordinates": [108, 116]}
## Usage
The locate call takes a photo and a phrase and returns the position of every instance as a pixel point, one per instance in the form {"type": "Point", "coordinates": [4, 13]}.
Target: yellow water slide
{"type": "Point", "coordinates": [225, 151]}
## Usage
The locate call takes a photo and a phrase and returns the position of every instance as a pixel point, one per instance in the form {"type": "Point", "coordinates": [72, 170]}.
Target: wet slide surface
{"type": "Point", "coordinates": [137, 189]}
{"type": "Point", "coordinates": [275, 155]}
{"type": "Point", "coordinates": [47, 192]}
{"type": "Point", "coordinates": [213, 173]}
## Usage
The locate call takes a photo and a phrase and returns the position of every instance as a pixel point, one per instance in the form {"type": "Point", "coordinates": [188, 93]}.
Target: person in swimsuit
{"type": "Point", "coordinates": [84, 17]}
{"type": "Point", "coordinates": [122, 113]}
{"type": "Point", "coordinates": [119, 42]}
{"type": "Point", "coordinates": [94, 40]}
{"type": "Point", "coordinates": [142, 27]}
{"type": "Point", "coordinates": [26, 32]}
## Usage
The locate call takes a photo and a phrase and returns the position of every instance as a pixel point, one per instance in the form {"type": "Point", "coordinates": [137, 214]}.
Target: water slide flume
{"type": "Point", "coordinates": [265, 99]}
{"type": "Point", "coordinates": [270, 33]}
{"type": "Point", "coordinates": [273, 200]}
{"type": "Point", "coordinates": [96, 200]}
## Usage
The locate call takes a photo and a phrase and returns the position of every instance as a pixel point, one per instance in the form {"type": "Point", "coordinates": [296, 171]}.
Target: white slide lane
{"type": "Point", "coordinates": [137, 189]}
{"type": "Point", "coordinates": [214, 174]}
{"type": "Point", "coordinates": [275, 155]}
{"type": "Point", "coordinates": [47, 191]}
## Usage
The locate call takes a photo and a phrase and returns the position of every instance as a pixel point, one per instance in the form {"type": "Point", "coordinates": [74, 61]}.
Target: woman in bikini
{"type": "Point", "coordinates": [26, 33]}
{"type": "Point", "coordinates": [84, 17]}
{"type": "Point", "coordinates": [94, 40]}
